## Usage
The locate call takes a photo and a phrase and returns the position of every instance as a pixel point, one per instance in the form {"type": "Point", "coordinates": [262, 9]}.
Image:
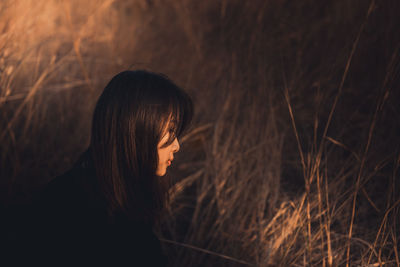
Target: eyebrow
{"type": "Point", "coordinates": [173, 121]}
{"type": "Point", "coordinates": [171, 124]}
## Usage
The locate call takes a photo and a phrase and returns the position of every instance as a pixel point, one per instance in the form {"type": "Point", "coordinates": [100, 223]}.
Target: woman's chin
{"type": "Point", "coordinates": [161, 173]}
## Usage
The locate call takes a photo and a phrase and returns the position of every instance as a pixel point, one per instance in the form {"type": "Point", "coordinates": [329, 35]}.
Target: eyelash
{"type": "Point", "coordinates": [170, 139]}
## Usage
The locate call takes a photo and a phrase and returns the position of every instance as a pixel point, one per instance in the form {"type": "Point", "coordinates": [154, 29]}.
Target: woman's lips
{"type": "Point", "coordinates": [169, 162]}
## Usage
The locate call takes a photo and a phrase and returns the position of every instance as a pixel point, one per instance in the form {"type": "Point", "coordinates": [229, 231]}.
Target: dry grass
{"type": "Point", "coordinates": [293, 157]}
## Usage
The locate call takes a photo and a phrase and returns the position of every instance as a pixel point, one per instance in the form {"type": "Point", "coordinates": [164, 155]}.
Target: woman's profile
{"type": "Point", "coordinates": [104, 208]}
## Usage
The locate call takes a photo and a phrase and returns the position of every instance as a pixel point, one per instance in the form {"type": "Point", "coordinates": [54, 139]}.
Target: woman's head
{"type": "Point", "coordinates": [136, 123]}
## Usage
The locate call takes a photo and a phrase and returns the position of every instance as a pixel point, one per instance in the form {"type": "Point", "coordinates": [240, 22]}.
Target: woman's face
{"type": "Point", "coordinates": [166, 153]}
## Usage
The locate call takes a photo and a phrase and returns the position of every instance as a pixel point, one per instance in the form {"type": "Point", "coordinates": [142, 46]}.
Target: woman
{"type": "Point", "coordinates": [104, 208]}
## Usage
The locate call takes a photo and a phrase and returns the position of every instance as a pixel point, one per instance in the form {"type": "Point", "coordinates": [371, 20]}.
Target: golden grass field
{"type": "Point", "coordinates": [293, 156]}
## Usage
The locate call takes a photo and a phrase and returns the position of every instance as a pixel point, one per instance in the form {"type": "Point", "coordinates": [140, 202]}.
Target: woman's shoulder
{"type": "Point", "coordinates": [64, 188]}
{"type": "Point", "coordinates": [75, 191]}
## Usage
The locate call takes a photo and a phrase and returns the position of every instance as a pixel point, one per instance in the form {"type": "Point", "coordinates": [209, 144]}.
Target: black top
{"type": "Point", "coordinates": [71, 225]}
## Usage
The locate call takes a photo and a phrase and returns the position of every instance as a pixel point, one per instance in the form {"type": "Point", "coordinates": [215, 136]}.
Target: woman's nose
{"type": "Point", "coordinates": [176, 145]}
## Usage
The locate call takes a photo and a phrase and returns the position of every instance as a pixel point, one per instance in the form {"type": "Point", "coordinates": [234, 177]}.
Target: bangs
{"type": "Point", "coordinates": [180, 115]}
{"type": "Point", "coordinates": [182, 112]}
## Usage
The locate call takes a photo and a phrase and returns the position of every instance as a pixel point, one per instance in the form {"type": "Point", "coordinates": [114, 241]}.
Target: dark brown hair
{"type": "Point", "coordinates": [128, 121]}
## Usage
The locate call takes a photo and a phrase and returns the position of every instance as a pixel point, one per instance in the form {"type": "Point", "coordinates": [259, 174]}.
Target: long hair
{"type": "Point", "coordinates": [128, 122]}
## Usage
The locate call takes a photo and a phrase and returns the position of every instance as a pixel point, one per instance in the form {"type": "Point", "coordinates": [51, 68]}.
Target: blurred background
{"type": "Point", "coordinates": [293, 156]}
